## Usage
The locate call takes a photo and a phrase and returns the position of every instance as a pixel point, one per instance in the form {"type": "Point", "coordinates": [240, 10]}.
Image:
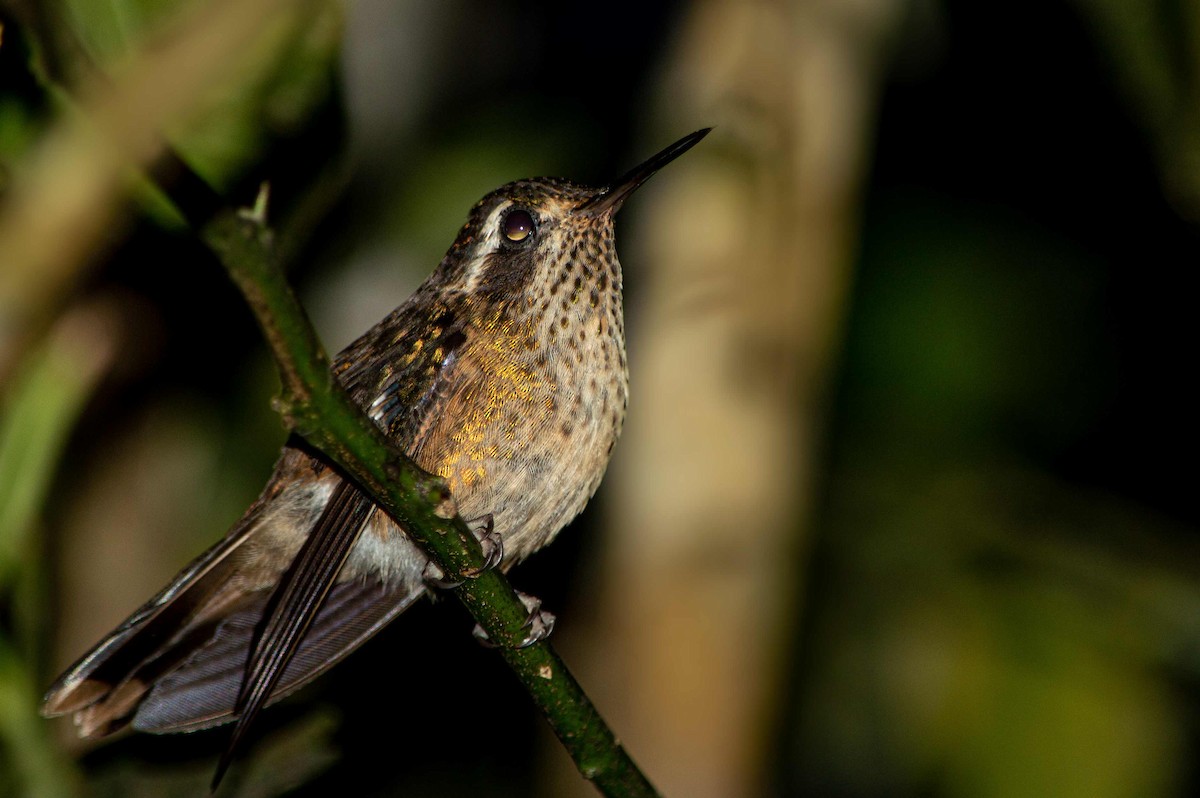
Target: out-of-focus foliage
{"type": "Point", "coordinates": [40, 407]}
{"type": "Point", "coordinates": [287, 78]}
{"type": "Point", "coordinates": [1153, 50]}
{"type": "Point", "coordinates": [1005, 593]}
{"type": "Point", "coordinates": [20, 102]}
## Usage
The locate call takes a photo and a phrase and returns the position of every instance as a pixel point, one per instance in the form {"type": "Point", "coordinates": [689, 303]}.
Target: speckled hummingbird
{"type": "Point", "coordinates": [504, 373]}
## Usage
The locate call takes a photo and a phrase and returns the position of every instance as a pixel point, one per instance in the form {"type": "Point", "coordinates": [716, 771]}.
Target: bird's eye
{"type": "Point", "coordinates": [517, 226]}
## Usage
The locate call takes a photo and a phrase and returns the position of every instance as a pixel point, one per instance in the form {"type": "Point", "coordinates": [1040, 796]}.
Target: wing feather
{"type": "Point", "coordinates": [177, 663]}
{"type": "Point", "coordinates": [294, 605]}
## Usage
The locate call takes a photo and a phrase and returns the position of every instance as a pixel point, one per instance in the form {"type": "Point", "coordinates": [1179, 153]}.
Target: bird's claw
{"type": "Point", "coordinates": [540, 624]}
{"type": "Point", "coordinates": [493, 552]}
{"type": "Point", "coordinates": [434, 576]}
{"type": "Point", "coordinates": [491, 543]}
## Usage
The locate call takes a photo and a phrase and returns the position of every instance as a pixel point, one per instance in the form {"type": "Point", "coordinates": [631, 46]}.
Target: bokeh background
{"type": "Point", "coordinates": [905, 503]}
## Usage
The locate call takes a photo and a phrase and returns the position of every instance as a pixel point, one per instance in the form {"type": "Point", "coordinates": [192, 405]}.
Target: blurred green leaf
{"type": "Point", "coordinates": [36, 418]}
{"type": "Point", "coordinates": [289, 77]}
{"type": "Point", "coordinates": [35, 766]}
{"type": "Point", "coordinates": [1153, 50]}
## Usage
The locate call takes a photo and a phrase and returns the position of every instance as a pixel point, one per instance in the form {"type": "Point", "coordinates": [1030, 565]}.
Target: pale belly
{"type": "Point", "coordinates": [532, 465]}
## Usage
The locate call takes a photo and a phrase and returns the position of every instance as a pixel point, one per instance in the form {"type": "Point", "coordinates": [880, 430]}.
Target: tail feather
{"type": "Point", "coordinates": [203, 690]}
{"type": "Point", "coordinates": [107, 683]}
{"type": "Point", "coordinates": [177, 664]}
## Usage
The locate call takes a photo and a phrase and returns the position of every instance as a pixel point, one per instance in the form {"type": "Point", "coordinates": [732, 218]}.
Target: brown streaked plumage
{"type": "Point", "coordinates": [504, 373]}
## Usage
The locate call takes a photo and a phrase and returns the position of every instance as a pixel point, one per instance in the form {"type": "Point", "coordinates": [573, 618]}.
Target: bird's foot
{"type": "Point", "coordinates": [539, 624]}
{"type": "Point", "coordinates": [435, 577]}
{"type": "Point", "coordinates": [489, 541]}
{"type": "Point", "coordinates": [493, 553]}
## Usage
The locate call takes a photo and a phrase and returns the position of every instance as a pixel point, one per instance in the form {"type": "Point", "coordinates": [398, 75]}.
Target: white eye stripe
{"type": "Point", "coordinates": [488, 243]}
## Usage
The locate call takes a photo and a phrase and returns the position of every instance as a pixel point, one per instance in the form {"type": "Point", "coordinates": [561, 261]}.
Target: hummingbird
{"type": "Point", "coordinates": [504, 373]}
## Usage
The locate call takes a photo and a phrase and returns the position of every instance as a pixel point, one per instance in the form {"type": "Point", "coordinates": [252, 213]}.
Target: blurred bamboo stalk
{"type": "Point", "coordinates": [751, 242]}
{"type": "Point", "coordinates": [67, 199]}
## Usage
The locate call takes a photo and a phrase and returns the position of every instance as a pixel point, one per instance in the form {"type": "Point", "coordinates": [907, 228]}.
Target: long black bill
{"type": "Point", "coordinates": [611, 198]}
